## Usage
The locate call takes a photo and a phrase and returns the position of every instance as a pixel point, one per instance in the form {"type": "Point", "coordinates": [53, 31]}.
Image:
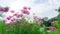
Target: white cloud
{"type": "Point", "coordinates": [41, 9]}
{"type": "Point", "coordinates": [46, 9]}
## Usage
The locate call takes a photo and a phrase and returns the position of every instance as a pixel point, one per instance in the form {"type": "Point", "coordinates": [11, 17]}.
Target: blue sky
{"type": "Point", "coordinates": [42, 8]}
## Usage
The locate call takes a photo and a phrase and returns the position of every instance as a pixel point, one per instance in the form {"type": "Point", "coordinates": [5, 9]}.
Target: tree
{"type": "Point", "coordinates": [58, 10]}
{"type": "Point", "coordinates": [58, 16]}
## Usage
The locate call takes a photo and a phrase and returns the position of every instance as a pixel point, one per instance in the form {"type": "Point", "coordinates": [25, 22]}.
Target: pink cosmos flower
{"type": "Point", "coordinates": [25, 11]}
{"type": "Point", "coordinates": [2, 9]}
{"type": "Point", "coordinates": [18, 15]}
{"type": "Point", "coordinates": [12, 11]}
{"type": "Point", "coordinates": [40, 21]}
{"type": "Point", "coordinates": [3, 20]}
{"type": "Point", "coordinates": [53, 22]}
{"type": "Point", "coordinates": [8, 18]}
{"type": "Point", "coordinates": [13, 19]}
{"type": "Point", "coordinates": [52, 28]}
{"type": "Point", "coordinates": [24, 7]}
{"type": "Point", "coordinates": [35, 17]}
{"type": "Point", "coordinates": [15, 14]}
{"type": "Point", "coordinates": [29, 8]}
{"type": "Point", "coordinates": [6, 9]}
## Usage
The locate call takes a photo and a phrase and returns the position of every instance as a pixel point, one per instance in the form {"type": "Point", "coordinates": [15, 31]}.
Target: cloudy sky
{"type": "Point", "coordinates": [42, 8]}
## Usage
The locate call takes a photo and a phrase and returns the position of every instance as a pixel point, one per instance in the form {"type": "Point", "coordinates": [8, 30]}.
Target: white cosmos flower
{"type": "Point", "coordinates": [42, 29]}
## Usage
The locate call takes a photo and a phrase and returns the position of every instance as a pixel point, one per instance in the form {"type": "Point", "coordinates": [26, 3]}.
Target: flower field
{"type": "Point", "coordinates": [19, 23]}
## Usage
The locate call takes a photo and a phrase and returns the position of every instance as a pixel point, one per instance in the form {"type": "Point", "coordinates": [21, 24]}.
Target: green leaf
{"type": "Point", "coordinates": [56, 24]}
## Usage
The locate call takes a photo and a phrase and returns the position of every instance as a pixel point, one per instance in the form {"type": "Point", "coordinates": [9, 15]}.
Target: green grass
{"type": "Point", "coordinates": [24, 28]}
